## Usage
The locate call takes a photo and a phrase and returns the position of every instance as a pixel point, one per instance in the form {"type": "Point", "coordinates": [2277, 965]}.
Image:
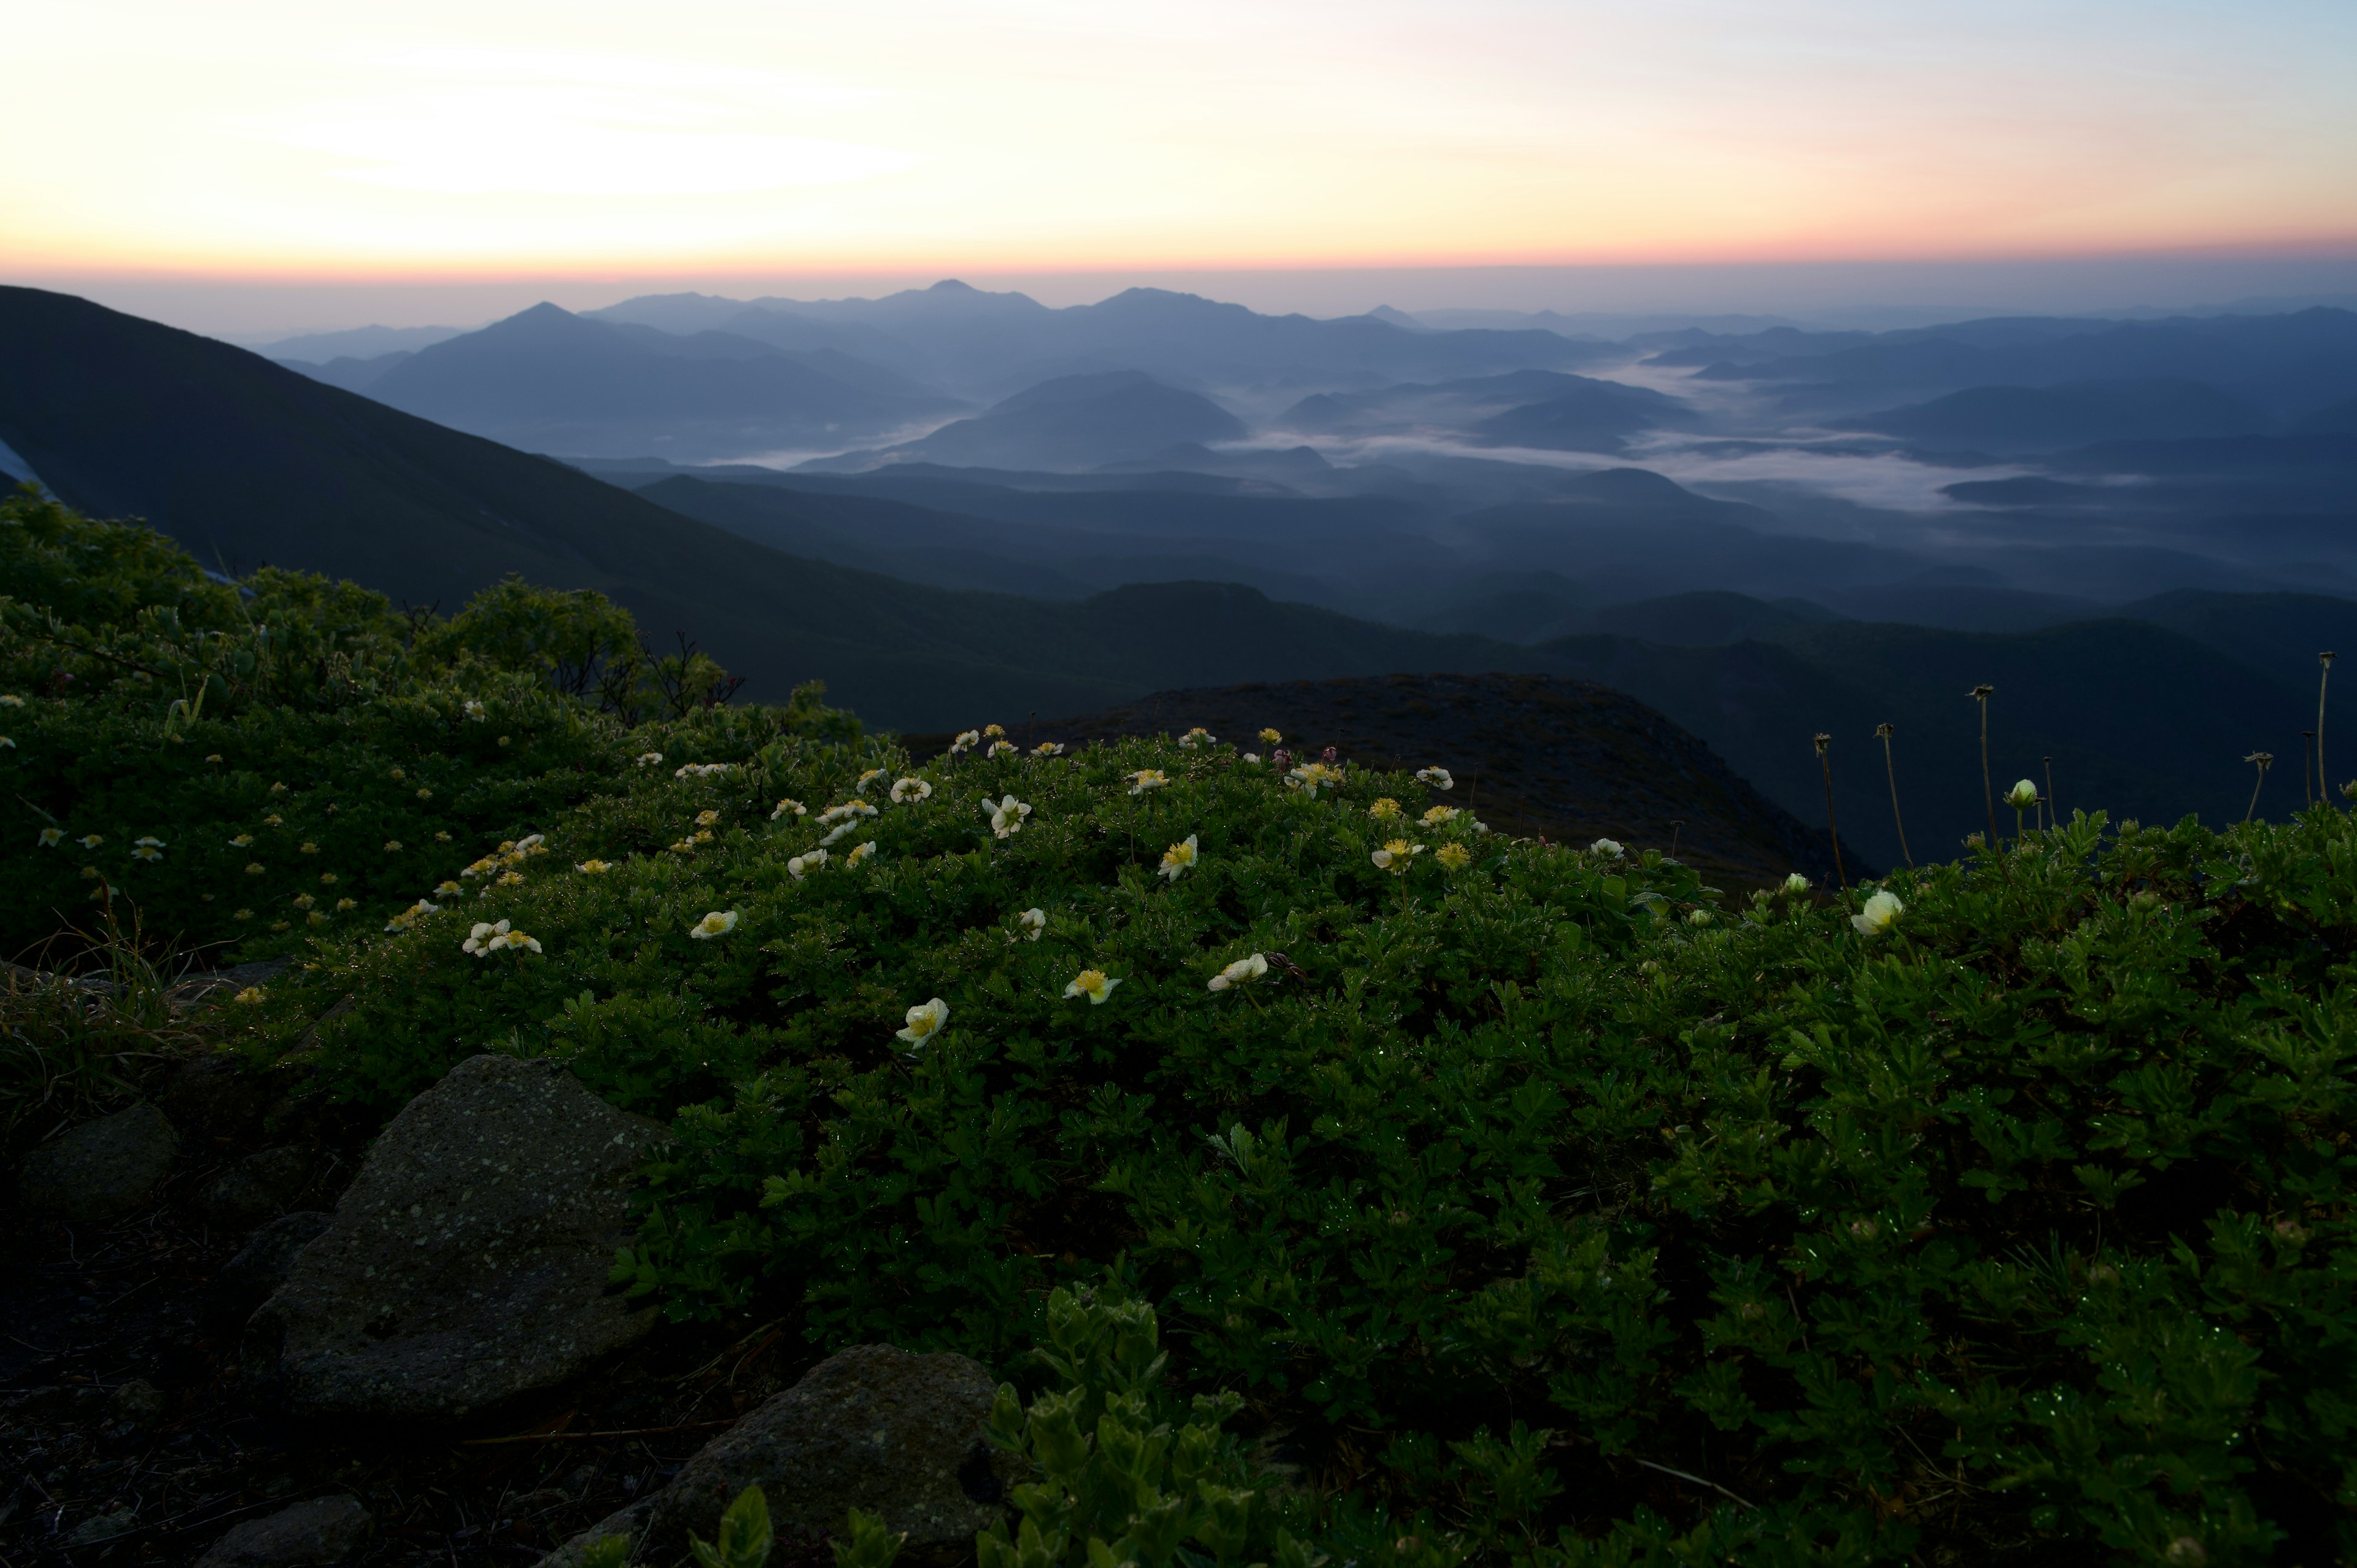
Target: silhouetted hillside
{"type": "Point", "coordinates": [1531, 755]}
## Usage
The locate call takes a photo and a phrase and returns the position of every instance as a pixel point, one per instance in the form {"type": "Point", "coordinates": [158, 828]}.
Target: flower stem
{"type": "Point", "coordinates": [1989, 795]}
{"type": "Point", "coordinates": [2324, 678]}
{"type": "Point", "coordinates": [1833, 830]}
{"type": "Point", "coordinates": [1890, 770]}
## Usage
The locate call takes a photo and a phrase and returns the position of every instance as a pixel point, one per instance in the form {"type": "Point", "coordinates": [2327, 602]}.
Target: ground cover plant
{"type": "Point", "coordinates": [1494, 1201]}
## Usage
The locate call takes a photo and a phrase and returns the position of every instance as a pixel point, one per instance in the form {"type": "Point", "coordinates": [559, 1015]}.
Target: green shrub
{"type": "Point", "coordinates": [251, 762]}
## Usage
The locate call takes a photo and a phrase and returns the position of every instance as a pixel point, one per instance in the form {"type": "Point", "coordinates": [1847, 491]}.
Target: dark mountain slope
{"type": "Point", "coordinates": [1532, 753]}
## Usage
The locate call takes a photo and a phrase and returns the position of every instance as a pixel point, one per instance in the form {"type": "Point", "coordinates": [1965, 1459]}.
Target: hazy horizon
{"type": "Point", "coordinates": [1879, 294]}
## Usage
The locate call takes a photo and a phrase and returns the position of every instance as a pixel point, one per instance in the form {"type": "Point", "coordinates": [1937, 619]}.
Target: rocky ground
{"type": "Point", "coordinates": [1533, 754]}
{"type": "Point", "coordinates": [382, 1418]}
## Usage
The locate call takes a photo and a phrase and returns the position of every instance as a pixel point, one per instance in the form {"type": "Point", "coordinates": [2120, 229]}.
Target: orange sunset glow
{"type": "Point", "coordinates": [274, 139]}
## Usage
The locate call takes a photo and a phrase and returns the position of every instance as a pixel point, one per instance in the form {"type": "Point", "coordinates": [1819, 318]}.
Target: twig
{"type": "Point", "coordinates": [1697, 1480]}
{"type": "Point", "coordinates": [584, 1436]}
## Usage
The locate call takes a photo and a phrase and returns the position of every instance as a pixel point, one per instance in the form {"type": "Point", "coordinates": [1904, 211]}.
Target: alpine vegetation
{"type": "Point", "coordinates": [1540, 1205]}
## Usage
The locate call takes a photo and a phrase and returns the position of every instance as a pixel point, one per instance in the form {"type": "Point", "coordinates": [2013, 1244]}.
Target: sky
{"type": "Point", "coordinates": [436, 146]}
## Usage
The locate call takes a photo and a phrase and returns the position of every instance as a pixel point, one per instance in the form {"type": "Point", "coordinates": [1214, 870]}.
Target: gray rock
{"type": "Point", "coordinates": [308, 1535]}
{"type": "Point", "coordinates": [246, 1281]}
{"type": "Point", "coordinates": [104, 1526]}
{"type": "Point", "coordinates": [873, 1427]}
{"type": "Point", "coordinates": [138, 1403]}
{"type": "Point", "coordinates": [256, 1188]}
{"type": "Point", "coordinates": [466, 1263]}
{"type": "Point", "coordinates": [100, 1169]}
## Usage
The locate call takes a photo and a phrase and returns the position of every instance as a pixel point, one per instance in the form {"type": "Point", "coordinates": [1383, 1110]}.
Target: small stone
{"type": "Point", "coordinates": [308, 1535]}
{"type": "Point", "coordinates": [874, 1428]}
{"type": "Point", "coordinates": [467, 1261]}
{"type": "Point", "coordinates": [100, 1169]}
{"type": "Point", "coordinates": [104, 1526]}
{"type": "Point", "coordinates": [217, 1095]}
{"type": "Point", "coordinates": [256, 1188]}
{"type": "Point", "coordinates": [246, 1281]}
{"type": "Point", "coordinates": [139, 1402]}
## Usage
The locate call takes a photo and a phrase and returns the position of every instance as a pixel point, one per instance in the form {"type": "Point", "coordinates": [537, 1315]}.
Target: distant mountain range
{"type": "Point", "coordinates": [2287, 365]}
{"type": "Point", "coordinates": [551, 381]}
{"type": "Point", "coordinates": [2075, 414]}
{"type": "Point", "coordinates": [979, 344]}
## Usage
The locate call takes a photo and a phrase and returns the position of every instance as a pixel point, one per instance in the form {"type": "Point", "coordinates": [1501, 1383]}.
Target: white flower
{"type": "Point", "coordinates": [1179, 857]}
{"type": "Point", "coordinates": [594, 867]}
{"type": "Point", "coordinates": [789, 808]}
{"type": "Point", "coordinates": [649, 758]}
{"type": "Point", "coordinates": [1196, 736]}
{"type": "Point", "coordinates": [485, 938]}
{"type": "Point", "coordinates": [802, 866]}
{"type": "Point", "coordinates": [49, 837]}
{"type": "Point", "coordinates": [2022, 796]}
{"type": "Point", "coordinates": [703, 769]}
{"type": "Point", "coordinates": [146, 850]}
{"type": "Point", "coordinates": [1093, 983]}
{"type": "Point", "coordinates": [925, 1021]}
{"type": "Point", "coordinates": [10, 700]}
{"type": "Point", "coordinates": [966, 741]}
{"type": "Point", "coordinates": [850, 811]}
{"type": "Point", "coordinates": [839, 832]}
{"type": "Point", "coordinates": [1311, 777]}
{"type": "Point", "coordinates": [1147, 778]}
{"type": "Point", "coordinates": [474, 709]}
{"type": "Point", "coordinates": [1032, 922]}
{"type": "Point", "coordinates": [531, 843]}
{"type": "Point", "coordinates": [866, 778]}
{"type": "Point", "coordinates": [1437, 815]}
{"type": "Point", "coordinates": [718, 923]}
{"type": "Point", "coordinates": [1048, 749]}
{"type": "Point", "coordinates": [1606, 849]}
{"type": "Point", "coordinates": [1001, 748]}
{"type": "Point", "coordinates": [907, 789]}
{"type": "Point", "coordinates": [859, 854]}
{"type": "Point", "coordinates": [512, 939]}
{"type": "Point", "coordinates": [1251, 757]}
{"type": "Point", "coordinates": [9, 741]}
{"type": "Point", "coordinates": [1437, 776]}
{"type": "Point", "coordinates": [91, 841]}
{"type": "Point", "coordinates": [1795, 885]}
{"type": "Point", "coordinates": [1006, 817]}
{"type": "Point", "coordinates": [1236, 973]}
{"type": "Point", "coordinates": [1396, 856]}
{"type": "Point", "coordinates": [1882, 912]}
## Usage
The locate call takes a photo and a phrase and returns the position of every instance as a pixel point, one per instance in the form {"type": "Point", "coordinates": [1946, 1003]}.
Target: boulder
{"type": "Point", "coordinates": [248, 1279]}
{"type": "Point", "coordinates": [873, 1427]}
{"type": "Point", "coordinates": [468, 1260]}
{"type": "Point", "coordinates": [100, 1169]}
{"type": "Point", "coordinates": [308, 1535]}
